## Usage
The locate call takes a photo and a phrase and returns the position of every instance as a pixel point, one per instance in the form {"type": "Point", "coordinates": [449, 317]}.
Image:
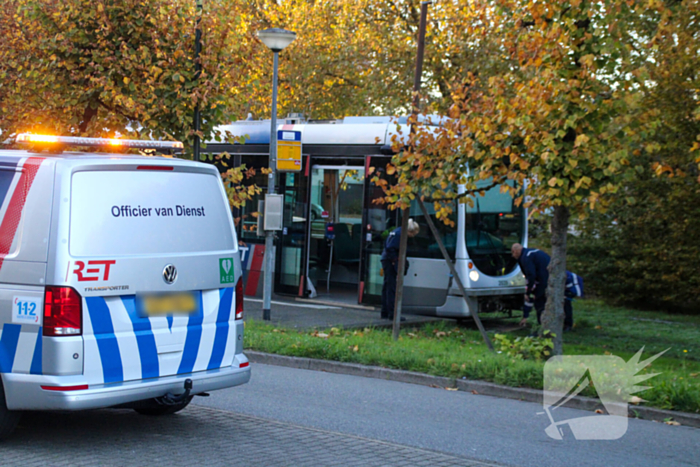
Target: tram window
{"type": "Point", "coordinates": [247, 226]}
{"type": "Point", "coordinates": [424, 244]}
{"type": "Point", "coordinates": [493, 224]}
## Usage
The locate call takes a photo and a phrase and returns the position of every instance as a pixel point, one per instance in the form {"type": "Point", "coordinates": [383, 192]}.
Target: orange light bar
{"type": "Point", "coordinates": [27, 138]}
{"type": "Point", "coordinates": [97, 142]}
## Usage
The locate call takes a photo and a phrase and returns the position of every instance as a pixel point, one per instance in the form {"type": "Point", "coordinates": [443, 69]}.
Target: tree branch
{"type": "Point", "coordinates": [466, 193]}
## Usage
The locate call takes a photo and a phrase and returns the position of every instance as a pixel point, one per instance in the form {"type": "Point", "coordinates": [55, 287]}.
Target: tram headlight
{"type": "Point", "coordinates": [473, 275]}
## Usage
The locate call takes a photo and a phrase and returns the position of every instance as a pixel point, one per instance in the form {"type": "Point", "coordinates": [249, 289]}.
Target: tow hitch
{"type": "Point", "coordinates": [175, 399]}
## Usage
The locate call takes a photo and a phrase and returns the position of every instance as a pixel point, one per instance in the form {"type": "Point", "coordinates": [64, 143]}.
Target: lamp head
{"type": "Point", "coordinates": [276, 39]}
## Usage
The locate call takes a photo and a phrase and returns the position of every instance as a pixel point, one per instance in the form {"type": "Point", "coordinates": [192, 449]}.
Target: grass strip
{"type": "Point", "coordinates": [447, 349]}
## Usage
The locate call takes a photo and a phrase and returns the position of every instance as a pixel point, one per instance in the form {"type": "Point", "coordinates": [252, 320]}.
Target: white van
{"type": "Point", "coordinates": [120, 282]}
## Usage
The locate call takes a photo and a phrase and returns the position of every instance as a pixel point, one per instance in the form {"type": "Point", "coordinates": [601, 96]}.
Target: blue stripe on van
{"type": "Point", "coordinates": [146, 341]}
{"type": "Point", "coordinates": [103, 330]}
{"type": "Point", "coordinates": [8, 346]}
{"type": "Point", "coordinates": [36, 368]}
{"type": "Point", "coordinates": [221, 336]}
{"type": "Point", "coordinates": [194, 336]}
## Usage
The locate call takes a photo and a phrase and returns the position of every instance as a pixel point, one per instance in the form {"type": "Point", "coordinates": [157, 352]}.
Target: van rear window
{"type": "Point", "coordinates": [124, 213]}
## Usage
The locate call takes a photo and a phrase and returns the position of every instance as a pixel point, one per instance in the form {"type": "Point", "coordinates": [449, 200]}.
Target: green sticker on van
{"type": "Point", "coordinates": [226, 270]}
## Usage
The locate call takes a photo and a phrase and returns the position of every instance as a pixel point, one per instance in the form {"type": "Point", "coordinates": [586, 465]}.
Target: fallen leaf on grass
{"type": "Point", "coordinates": [694, 375]}
{"type": "Point", "coordinates": [599, 327]}
{"type": "Point", "coordinates": [356, 348]}
{"type": "Point", "coordinates": [474, 391]}
{"type": "Point", "coordinates": [672, 423]}
{"type": "Point", "coordinates": [598, 411]}
{"type": "Point", "coordinates": [322, 335]}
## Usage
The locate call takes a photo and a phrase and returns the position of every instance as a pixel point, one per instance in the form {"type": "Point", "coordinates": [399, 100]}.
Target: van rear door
{"type": "Point", "coordinates": [152, 251]}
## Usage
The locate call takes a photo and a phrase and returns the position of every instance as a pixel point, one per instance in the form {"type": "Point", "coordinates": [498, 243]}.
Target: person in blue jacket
{"type": "Point", "coordinates": [390, 260]}
{"type": "Point", "coordinates": [533, 263]}
{"type": "Point", "coordinates": [574, 289]}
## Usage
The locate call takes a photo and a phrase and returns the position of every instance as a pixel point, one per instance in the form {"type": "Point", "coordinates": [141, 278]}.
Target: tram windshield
{"type": "Point", "coordinates": [493, 224]}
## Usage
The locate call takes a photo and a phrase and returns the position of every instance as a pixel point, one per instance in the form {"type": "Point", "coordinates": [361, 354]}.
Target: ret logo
{"type": "Point", "coordinates": [610, 376]}
{"type": "Point", "coordinates": [96, 270]}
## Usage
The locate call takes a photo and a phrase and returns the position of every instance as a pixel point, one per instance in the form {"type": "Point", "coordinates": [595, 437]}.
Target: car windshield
{"type": "Point", "coordinates": [493, 224]}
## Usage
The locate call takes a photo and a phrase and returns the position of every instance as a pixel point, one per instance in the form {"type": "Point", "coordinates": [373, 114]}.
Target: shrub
{"type": "Point", "coordinates": [524, 348]}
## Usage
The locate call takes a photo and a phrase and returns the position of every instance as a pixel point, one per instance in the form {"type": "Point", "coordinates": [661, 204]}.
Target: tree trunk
{"type": "Point", "coordinates": [88, 114]}
{"type": "Point", "coordinates": [553, 316]}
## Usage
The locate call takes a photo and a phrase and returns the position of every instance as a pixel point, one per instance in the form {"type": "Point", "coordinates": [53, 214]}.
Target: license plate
{"type": "Point", "coordinates": [170, 304]}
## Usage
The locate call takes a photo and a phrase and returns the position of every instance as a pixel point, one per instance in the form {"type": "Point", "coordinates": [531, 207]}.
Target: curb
{"type": "Point", "coordinates": [477, 387]}
{"type": "Point", "coordinates": [354, 306]}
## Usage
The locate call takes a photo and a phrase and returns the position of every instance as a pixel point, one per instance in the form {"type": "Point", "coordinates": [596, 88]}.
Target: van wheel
{"type": "Point", "coordinates": [154, 409]}
{"type": "Point", "coordinates": [8, 418]}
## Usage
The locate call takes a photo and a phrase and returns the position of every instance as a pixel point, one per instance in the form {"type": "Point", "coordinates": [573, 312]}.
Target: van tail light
{"type": "Point", "coordinates": [239, 298]}
{"type": "Point", "coordinates": [63, 312]}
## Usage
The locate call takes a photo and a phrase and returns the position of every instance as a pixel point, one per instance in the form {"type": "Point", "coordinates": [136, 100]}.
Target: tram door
{"type": "Point", "coordinates": [291, 241]}
{"type": "Point", "coordinates": [378, 221]}
{"type": "Point", "coordinates": [336, 199]}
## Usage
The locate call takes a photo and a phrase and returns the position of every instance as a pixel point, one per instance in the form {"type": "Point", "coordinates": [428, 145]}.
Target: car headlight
{"type": "Point", "coordinates": [473, 275]}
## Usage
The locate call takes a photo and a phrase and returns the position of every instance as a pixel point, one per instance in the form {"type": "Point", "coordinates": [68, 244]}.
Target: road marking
{"type": "Point", "coordinates": [316, 307]}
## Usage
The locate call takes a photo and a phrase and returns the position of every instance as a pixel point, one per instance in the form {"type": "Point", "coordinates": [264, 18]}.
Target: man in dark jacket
{"type": "Point", "coordinates": [390, 259]}
{"type": "Point", "coordinates": [533, 263]}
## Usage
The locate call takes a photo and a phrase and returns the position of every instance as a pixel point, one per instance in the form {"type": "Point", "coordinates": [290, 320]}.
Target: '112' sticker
{"type": "Point", "coordinates": [26, 310]}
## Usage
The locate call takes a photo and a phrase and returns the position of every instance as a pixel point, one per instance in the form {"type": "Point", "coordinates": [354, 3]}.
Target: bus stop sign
{"type": "Point", "coordinates": [288, 151]}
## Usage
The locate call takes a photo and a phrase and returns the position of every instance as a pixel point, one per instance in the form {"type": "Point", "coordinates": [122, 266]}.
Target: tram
{"type": "Point", "coordinates": [333, 186]}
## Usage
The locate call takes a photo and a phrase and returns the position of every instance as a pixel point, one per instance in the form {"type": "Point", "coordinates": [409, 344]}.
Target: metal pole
{"type": "Point", "coordinates": [453, 271]}
{"type": "Point", "coordinates": [270, 235]}
{"type": "Point", "coordinates": [197, 73]}
{"type": "Point", "coordinates": [405, 212]}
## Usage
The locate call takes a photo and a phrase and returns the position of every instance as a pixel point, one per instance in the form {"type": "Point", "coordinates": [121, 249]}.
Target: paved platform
{"type": "Point", "coordinates": [197, 436]}
{"type": "Point", "coordinates": [320, 314]}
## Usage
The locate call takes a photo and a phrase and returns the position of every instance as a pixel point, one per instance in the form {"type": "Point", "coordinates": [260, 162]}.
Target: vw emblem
{"type": "Point", "coordinates": [169, 274]}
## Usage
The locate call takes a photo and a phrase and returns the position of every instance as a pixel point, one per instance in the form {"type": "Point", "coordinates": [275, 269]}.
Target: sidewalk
{"type": "Point", "coordinates": [309, 314]}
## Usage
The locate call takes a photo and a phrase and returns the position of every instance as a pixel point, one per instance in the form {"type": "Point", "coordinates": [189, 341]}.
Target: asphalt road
{"type": "Point", "coordinates": [456, 423]}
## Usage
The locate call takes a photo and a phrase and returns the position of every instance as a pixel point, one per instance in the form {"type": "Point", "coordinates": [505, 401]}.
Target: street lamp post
{"type": "Point", "coordinates": [197, 73]}
{"type": "Point", "coordinates": [276, 40]}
